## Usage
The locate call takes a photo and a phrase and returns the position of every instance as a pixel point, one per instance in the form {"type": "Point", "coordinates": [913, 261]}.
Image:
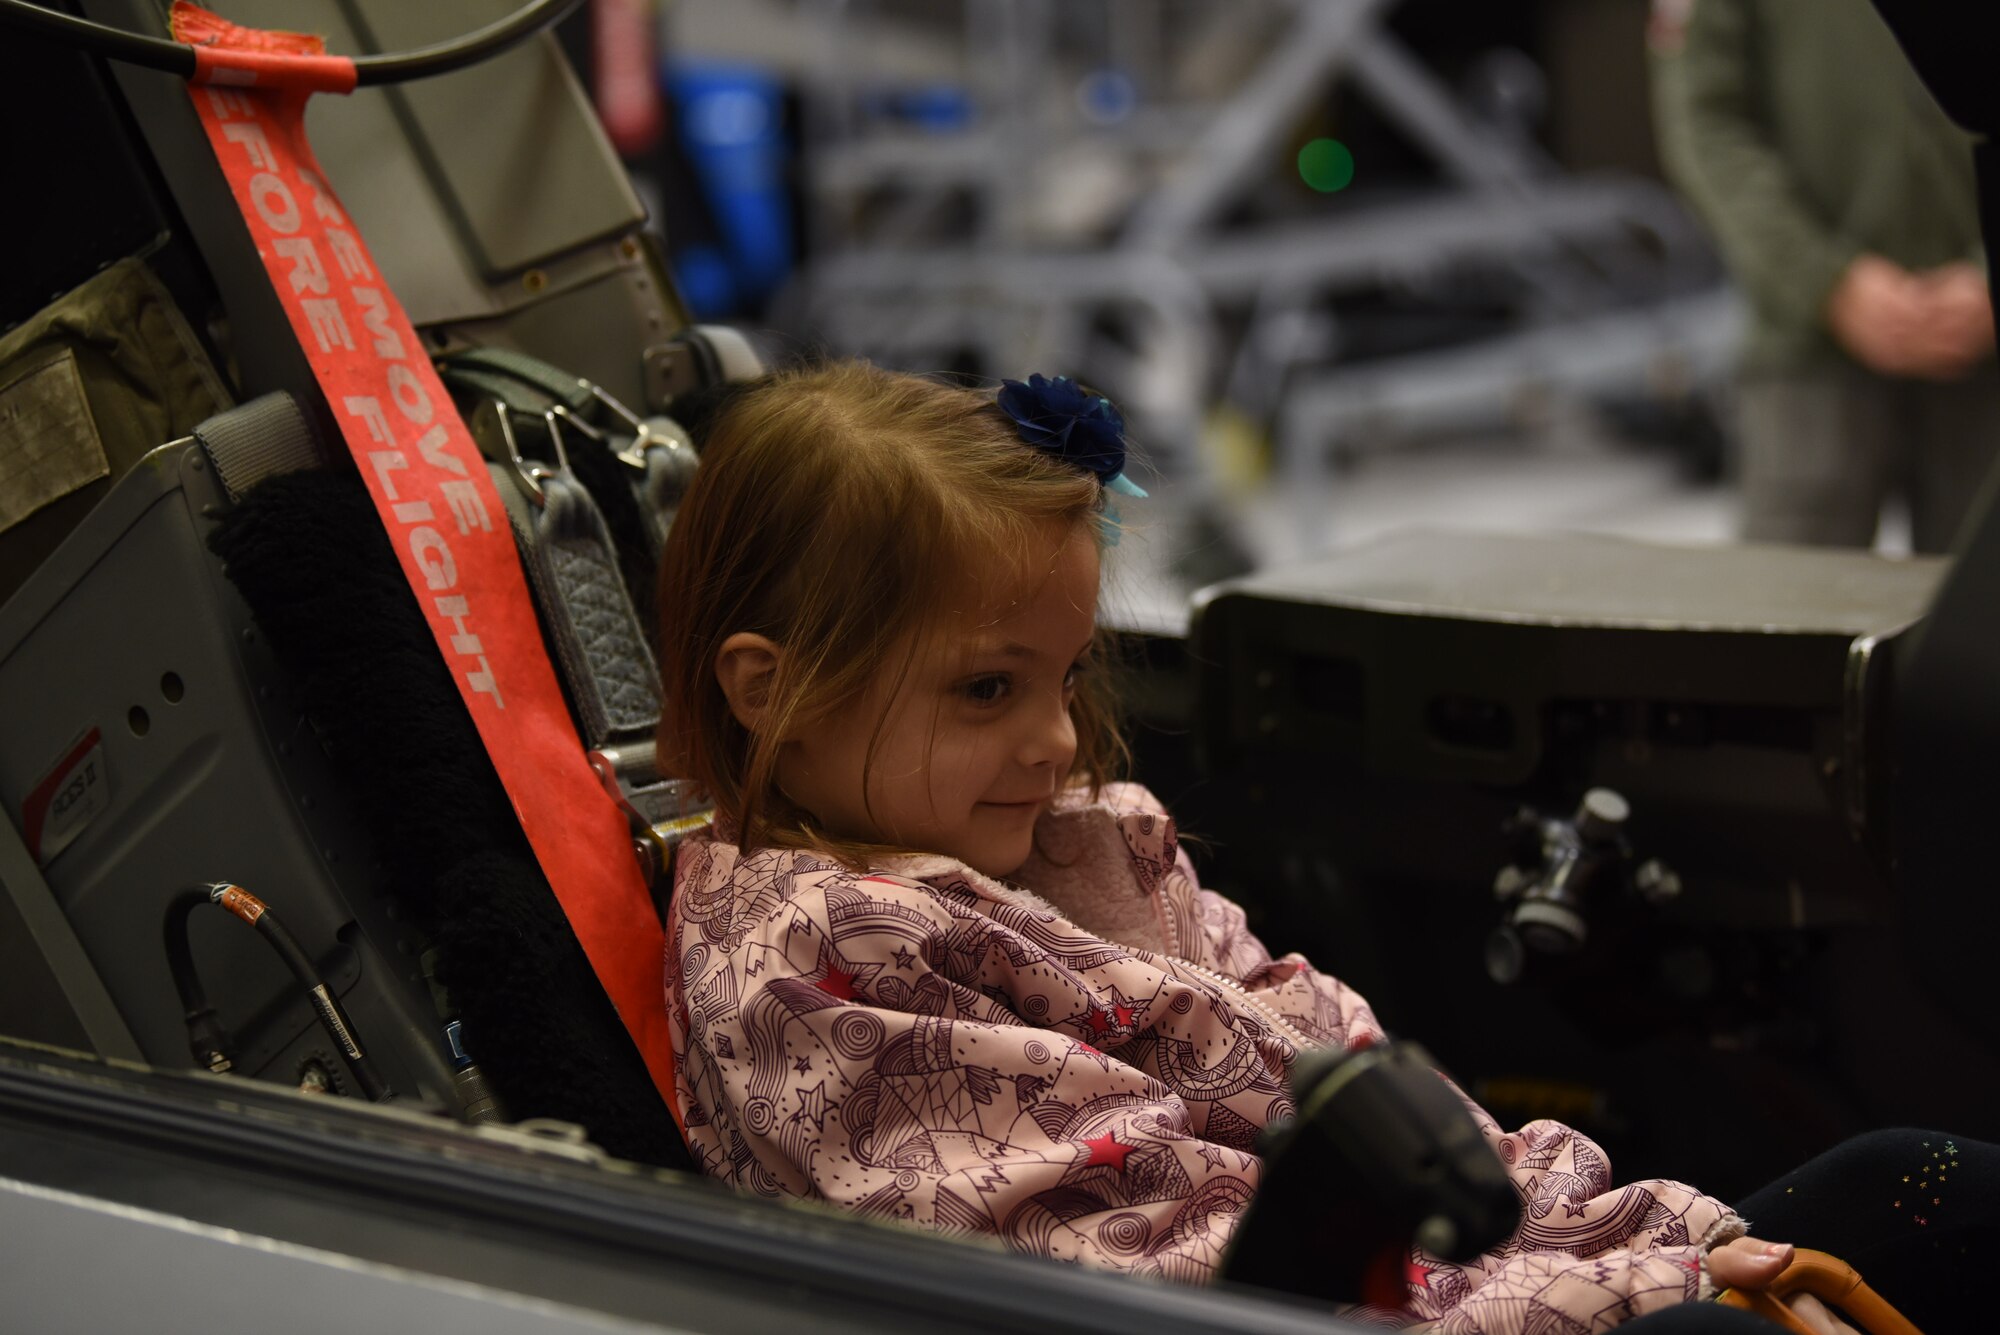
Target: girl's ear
{"type": "Point", "coordinates": [745, 666]}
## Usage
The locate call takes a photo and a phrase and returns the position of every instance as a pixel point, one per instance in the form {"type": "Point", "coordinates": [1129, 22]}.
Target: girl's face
{"type": "Point", "coordinates": [976, 739]}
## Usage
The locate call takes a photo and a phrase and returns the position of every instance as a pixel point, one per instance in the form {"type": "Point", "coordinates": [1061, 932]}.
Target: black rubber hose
{"type": "Point", "coordinates": [332, 1017]}
{"type": "Point", "coordinates": [470, 49]}
{"type": "Point", "coordinates": [241, 904]}
{"type": "Point", "coordinates": [178, 57]}
{"type": "Point", "coordinates": [206, 1036]}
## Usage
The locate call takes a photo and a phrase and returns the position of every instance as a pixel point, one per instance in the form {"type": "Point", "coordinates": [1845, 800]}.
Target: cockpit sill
{"type": "Point", "coordinates": [261, 1176]}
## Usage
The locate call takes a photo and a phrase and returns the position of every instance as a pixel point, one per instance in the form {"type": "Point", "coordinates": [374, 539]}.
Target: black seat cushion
{"type": "Point", "coordinates": [310, 557]}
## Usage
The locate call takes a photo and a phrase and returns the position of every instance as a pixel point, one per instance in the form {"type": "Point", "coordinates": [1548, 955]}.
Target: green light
{"type": "Point", "coordinates": [1326, 165]}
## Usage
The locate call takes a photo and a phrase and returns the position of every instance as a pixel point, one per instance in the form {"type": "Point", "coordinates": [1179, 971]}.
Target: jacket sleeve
{"type": "Point", "coordinates": [1592, 1253]}
{"type": "Point", "coordinates": [1718, 151]}
{"type": "Point", "coordinates": [1532, 1291]}
{"type": "Point", "coordinates": [1212, 932]}
{"type": "Point", "coordinates": [869, 1044]}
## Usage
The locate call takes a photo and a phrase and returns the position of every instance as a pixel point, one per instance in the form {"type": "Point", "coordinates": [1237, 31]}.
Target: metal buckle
{"type": "Point", "coordinates": [647, 432]}
{"type": "Point", "coordinates": [652, 842]}
{"type": "Point", "coordinates": [492, 424]}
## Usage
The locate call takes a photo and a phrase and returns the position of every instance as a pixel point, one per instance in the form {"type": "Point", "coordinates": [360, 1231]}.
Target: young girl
{"type": "Point", "coordinates": [933, 964]}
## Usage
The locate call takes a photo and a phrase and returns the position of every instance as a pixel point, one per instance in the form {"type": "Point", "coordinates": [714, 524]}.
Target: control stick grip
{"type": "Point", "coordinates": [1383, 1153]}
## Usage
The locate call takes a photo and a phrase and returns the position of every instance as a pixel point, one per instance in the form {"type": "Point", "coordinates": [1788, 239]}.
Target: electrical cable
{"type": "Point", "coordinates": [179, 58]}
{"type": "Point", "coordinates": [206, 1035]}
{"type": "Point", "coordinates": [470, 49]}
{"type": "Point", "coordinates": [209, 1041]}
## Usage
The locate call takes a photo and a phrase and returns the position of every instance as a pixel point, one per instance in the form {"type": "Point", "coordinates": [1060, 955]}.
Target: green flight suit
{"type": "Point", "coordinates": [1799, 132]}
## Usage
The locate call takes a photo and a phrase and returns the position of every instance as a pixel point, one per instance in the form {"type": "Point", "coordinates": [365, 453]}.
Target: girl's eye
{"type": "Point", "coordinates": [986, 690]}
{"type": "Point", "coordinates": [1069, 680]}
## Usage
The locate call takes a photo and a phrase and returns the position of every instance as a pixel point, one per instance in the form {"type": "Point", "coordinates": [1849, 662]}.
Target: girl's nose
{"type": "Point", "coordinates": [1051, 738]}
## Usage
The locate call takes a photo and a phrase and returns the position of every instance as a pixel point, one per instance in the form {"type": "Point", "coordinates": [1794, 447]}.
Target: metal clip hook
{"type": "Point", "coordinates": [618, 409]}
{"type": "Point", "coordinates": [492, 421]}
{"type": "Point", "coordinates": [562, 412]}
{"type": "Point", "coordinates": [551, 422]}
{"type": "Point", "coordinates": [643, 436]}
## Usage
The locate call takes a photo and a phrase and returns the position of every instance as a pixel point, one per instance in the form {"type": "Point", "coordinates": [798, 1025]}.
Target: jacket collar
{"type": "Point", "coordinates": [1099, 865]}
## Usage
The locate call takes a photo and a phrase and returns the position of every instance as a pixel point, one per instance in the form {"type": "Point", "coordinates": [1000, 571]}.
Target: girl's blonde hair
{"type": "Point", "coordinates": [835, 509]}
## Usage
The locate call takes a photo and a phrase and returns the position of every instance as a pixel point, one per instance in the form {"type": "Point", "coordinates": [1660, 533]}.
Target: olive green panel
{"type": "Point", "coordinates": [88, 385]}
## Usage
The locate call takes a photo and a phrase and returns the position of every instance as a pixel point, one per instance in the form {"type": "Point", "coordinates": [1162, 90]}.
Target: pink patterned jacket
{"type": "Point", "coordinates": [1080, 1071]}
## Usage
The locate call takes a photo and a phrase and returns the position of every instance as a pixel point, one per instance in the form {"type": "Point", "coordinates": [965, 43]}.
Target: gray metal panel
{"type": "Point", "coordinates": [467, 178]}
{"type": "Point", "coordinates": [64, 1005]}
{"type": "Point", "coordinates": [512, 143]}
{"type": "Point", "coordinates": [174, 1275]}
{"type": "Point", "coordinates": [46, 982]}
{"type": "Point", "coordinates": [212, 773]}
{"type": "Point", "coordinates": [595, 327]}
{"type": "Point", "coordinates": [365, 147]}
{"type": "Point", "coordinates": [460, 182]}
{"type": "Point", "coordinates": [1598, 581]}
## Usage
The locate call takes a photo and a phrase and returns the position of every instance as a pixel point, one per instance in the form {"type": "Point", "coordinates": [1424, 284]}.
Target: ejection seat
{"type": "Point", "coordinates": [220, 674]}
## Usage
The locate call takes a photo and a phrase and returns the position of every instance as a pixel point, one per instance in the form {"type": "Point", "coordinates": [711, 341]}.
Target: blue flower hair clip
{"type": "Point", "coordinates": [1062, 418]}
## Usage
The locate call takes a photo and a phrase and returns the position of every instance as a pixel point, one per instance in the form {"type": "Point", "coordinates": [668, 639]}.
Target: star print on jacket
{"type": "Point", "coordinates": [1079, 1069]}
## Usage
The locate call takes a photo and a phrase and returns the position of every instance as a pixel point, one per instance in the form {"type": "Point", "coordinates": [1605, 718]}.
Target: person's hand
{"type": "Point", "coordinates": [1962, 306]}
{"type": "Point", "coordinates": [1897, 323]}
{"type": "Point", "coordinates": [1751, 1264]}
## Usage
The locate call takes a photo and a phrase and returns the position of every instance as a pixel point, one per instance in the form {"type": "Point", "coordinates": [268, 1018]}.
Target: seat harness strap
{"type": "Point", "coordinates": [600, 646]}
{"type": "Point", "coordinates": [438, 502]}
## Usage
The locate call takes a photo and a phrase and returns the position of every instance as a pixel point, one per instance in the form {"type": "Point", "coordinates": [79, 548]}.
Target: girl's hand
{"type": "Point", "coordinates": [1749, 1263]}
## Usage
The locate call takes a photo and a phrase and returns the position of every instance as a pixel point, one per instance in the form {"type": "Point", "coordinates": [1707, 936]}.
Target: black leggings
{"type": "Point", "coordinates": [1916, 1212]}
